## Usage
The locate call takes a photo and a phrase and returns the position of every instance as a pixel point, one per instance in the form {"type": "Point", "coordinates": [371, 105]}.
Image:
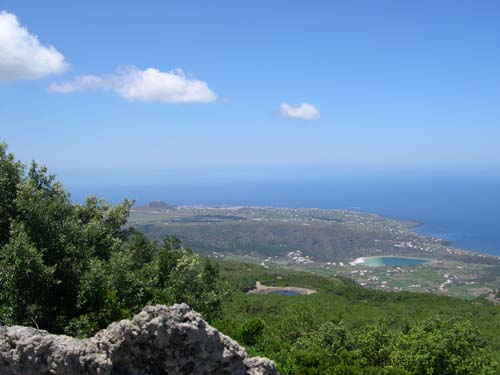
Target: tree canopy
{"type": "Point", "coordinates": [74, 268]}
{"type": "Point", "coordinates": [435, 346]}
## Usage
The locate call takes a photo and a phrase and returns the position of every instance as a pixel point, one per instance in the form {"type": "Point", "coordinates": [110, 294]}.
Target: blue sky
{"type": "Point", "coordinates": [392, 83]}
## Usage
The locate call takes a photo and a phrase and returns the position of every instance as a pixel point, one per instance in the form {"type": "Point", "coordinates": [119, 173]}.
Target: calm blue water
{"type": "Point", "coordinates": [464, 210]}
{"type": "Point", "coordinates": [288, 293]}
{"type": "Point", "coordinates": [392, 261]}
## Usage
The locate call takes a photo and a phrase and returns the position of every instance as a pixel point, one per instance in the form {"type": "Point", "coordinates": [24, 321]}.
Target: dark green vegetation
{"type": "Point", "coordinates": [76, 268]}
{"type": "Point", "coordinates": [346, 329]}
{"type": "Point", "coordinates": [263, 232]}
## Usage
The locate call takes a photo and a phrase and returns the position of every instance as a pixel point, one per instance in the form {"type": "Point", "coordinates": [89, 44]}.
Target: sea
{"type": "Point", "coordinates": [463, 208]}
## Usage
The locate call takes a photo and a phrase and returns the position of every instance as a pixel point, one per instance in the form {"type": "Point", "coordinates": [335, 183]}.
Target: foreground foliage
{"type": "Point", "coordinates": [433, 347]}
{"type": "Point", "coordinates": [75, 268]}
{"type": "Point", "coordinates": [347, 329]}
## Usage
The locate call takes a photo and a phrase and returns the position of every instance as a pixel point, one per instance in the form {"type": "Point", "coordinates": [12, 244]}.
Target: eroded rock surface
{"type": "Point", "coordinates": [159, 340]}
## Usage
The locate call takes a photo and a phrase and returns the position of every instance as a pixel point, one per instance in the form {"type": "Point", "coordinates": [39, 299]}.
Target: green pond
{"type": "Point", "coordinates": [392, 262]}
{"type": "Point", "coordinates": [288, 293]}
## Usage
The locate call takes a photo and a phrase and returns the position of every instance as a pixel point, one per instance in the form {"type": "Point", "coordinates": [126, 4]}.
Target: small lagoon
{"type": "Point", "coordinates": [389, 261]}
{"type": "Point", "coordinates": [286, 293]}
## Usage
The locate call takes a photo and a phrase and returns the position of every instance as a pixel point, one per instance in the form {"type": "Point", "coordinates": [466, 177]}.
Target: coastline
{"type": "Point", "coordinates": [444, 241]}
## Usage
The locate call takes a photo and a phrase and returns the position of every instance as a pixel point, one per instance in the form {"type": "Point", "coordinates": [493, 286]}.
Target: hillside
{"type": "Point", "coordinates": [326, 242]}
{"type": "Point", "coordinates": [282, 321]}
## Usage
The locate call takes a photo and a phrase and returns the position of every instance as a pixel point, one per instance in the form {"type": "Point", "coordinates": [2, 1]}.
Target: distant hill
{"type": "Point", "coordinates": [155, 205]}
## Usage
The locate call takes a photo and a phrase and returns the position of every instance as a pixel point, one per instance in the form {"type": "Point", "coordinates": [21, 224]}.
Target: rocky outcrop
{"type": "Point", "coordinates": [159, 340]}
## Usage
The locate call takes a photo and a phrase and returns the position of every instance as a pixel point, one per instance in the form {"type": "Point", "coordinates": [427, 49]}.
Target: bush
{"type": "Point", "coordinates": [251, 331]}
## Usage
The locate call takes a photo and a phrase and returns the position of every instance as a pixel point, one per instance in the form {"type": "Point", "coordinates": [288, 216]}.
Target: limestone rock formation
{"type": "Point", "coordinates": [159, 340]}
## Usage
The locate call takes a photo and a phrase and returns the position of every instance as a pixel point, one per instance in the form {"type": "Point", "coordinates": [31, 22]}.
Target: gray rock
{"type": "Point", "coordinates": [260, 366]}
{"type": "Point", "coordinates": [159, 340]}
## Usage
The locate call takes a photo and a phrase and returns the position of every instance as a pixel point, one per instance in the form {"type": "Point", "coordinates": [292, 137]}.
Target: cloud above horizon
{"type": "Point", "coordinates": [134, 84]}
{"type": "Point", "coordinates": [304, 111]}
{"type": "Point", "coordinates": [22, 56]}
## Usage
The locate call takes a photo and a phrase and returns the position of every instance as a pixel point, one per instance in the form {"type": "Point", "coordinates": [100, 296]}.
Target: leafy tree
{"type": "Point", "coordinates": [10, 177]}
{"type": "Point", "coordinates": [25, 280]}
{"type": "Point", "coordinates": [75, 268]}
{"type": "Point", "coordinates": [375, 344]}
{"type": "Point", "coordinates": [323, 350]}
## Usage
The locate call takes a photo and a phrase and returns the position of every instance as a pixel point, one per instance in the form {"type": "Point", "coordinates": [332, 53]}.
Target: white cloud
{"type": "Point", "coordinates": [21, 54]}
{"type": "Point", "coordinates": [143, 85]}
{"type": "Point", "coordinates": [88, 82]}
{"type": "Point", "coordinates": [304, 111]}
